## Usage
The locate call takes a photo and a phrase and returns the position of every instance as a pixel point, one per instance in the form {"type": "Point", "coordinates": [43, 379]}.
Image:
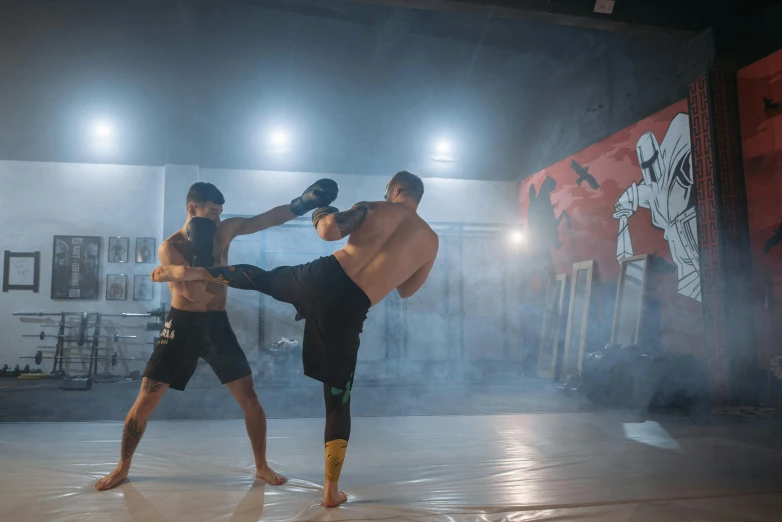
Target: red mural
{"type": "Point", "coordinates": [760, 114]}
{"type": "Point", "coordinates": [603, 203]}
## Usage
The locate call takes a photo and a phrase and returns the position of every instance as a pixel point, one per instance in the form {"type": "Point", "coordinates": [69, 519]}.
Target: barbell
{"type": "Point", "coordinates": [65, 325]}
{"type": "Point", "coordinates": [116, 337]}
{"type": "Point", "coordinates": [38, 357]}
{"type": "Point", "coordinates": [157, 312]}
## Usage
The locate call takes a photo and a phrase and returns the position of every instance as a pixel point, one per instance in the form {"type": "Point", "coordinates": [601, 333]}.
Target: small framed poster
{"type": "Point", "coordinates": [21, 271]}
{"type": "Point", "coordinates": [145, 250]}
{"type": "Point", "coordinates": [116, 287]}
{"type": "Point", "coordinates": [143, 289]}
{"type": "Point", "coordinates": [118, 249]}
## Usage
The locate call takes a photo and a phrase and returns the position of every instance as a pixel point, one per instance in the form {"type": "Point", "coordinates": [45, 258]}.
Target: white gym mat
{"type": "Point", "coordinates": [605, 466]}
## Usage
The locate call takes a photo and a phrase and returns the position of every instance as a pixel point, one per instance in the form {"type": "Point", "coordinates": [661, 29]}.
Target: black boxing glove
{"type": "Point", "coordinates": [319, 194]}
{"type": "Point", "coordinates": [201, 234]}
{"type": "Point", "coordinates": [322, 212]}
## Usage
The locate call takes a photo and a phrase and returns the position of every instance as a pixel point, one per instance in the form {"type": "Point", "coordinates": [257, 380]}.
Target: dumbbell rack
{"type": "Point", "coordinates": [63, 340]}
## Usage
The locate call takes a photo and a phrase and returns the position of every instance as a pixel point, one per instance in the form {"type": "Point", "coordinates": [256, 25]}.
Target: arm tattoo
{"type": "Point", "coordinates": [350, 220]}
{"type": "Point", "coordinates": [131, 436]}
{"type": "Point", "coordinates": [151, 386]}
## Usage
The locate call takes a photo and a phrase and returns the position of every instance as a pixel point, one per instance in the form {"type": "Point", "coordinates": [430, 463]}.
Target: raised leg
{"type": "Point", "coordinates": [243, 391]}
{"type": "Point", "coordinates": [135, 423]}
{"type": "Point", "coordinates": [336, 436]}
{"type": "Point", "coordinates": [284, 283]}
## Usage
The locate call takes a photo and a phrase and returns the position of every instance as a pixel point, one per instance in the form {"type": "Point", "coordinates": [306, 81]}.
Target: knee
{"type": "Point", "coordinates": [144, 407]}
{"type": "Point", "coordinates": [249, 401]}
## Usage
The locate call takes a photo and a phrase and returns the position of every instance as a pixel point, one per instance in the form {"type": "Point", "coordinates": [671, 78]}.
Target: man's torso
{"type": "Point", "coordinates": [391, 244]}
{"type": "Point", "coordinates": [218, 292]}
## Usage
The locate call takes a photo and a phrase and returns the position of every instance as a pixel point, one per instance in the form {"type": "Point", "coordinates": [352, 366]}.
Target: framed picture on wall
{"type": "Point", "coordinates": [21, 271]}
{"type": "Point", "coordinates": [143, 289]}
{"type": "Point", "coordinates": [76, 267]}
{"type": "Point", "coordinates": [145, 250]}
{"type": "Point", "coordinates": [116, 287]}
{"type": "Point", "coordinates": [118, 249]}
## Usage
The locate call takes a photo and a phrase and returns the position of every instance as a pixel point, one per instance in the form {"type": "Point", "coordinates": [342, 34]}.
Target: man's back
{"type": "Point", "coordinates": [392, 244]}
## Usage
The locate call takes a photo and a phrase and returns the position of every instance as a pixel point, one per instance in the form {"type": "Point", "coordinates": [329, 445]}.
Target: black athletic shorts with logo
{"type": "Point", "coordinates": [186, 336]}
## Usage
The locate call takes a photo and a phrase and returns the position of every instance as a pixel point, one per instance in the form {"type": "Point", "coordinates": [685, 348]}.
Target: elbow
{"type": "Point", "coordinates": [328, 229]}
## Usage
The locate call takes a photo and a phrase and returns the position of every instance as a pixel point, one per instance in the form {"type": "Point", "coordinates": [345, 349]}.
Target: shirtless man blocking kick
{"type": "Point", "coordinates": [390, 247]}
{"type": "Point", "coordinates": [198, 325]}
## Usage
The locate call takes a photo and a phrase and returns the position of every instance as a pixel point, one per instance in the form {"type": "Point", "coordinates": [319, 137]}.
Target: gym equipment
{"type": "Point", "coordinates": [116, 337]}
{"type": "Point", "coordinates": [114, 358]}
{"type": "Point", "coordinates": [44, 314]}
{"type": "Point", "coordinates": [87, 321]}
{"type": "Point", "coordinates": [160, 313]}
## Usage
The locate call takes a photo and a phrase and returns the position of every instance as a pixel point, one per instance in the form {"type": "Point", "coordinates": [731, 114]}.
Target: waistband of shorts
{"type": "Point", "coordinates": [347, 281]}
{"type": "Point", "coordinates": [210, 313]}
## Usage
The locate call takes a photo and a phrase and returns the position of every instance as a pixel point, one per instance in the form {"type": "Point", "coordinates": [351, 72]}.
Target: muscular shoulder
{"type": "Point", "coordinates": [369, 205]}
{"type": "Point", "coordinates": [173, 249]}
{"type": "Point", "coordinates": [433, 240]}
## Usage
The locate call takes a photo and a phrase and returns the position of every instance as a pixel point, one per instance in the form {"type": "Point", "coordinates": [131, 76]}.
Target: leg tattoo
{"type": "Point", "coordinates": [151, 386]}
{"type": "Point", "coordinates": [131, 436]}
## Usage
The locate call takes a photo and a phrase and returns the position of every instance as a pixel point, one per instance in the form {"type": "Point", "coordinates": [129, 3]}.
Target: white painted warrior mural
{"type": "Point", "coordinates": [667, 191]}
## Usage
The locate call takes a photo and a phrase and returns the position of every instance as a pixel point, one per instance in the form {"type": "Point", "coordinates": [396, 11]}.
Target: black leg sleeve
{"type": "Point", "coordinates": [337, 430]}
{"type": "Point", "coordinates": [337, 414]}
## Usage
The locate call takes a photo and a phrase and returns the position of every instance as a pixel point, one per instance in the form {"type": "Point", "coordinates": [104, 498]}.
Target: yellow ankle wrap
{"type": "Point", "coordinates": [335, 455]}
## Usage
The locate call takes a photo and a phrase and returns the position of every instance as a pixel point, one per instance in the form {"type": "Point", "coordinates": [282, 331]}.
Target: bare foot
{"type": "Point", "coordinates": [170, 273]}
{"type": "Point", "coordinates": [270, 476]}
{"type": "Point", "coordinates": [333, 497]}
{"type": "Point", "coordinates": [112, 480]}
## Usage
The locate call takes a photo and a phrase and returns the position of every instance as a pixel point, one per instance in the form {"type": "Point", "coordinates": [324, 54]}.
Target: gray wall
{"type": "Point", "coordinates": [40, 200]}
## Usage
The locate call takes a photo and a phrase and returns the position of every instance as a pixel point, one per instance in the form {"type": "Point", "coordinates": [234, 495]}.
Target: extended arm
{"type": "Point", "coordinates": [319, 194]}
{"type": "Point", "coordinates": [239, 226]}
{"type": "Point", "coordinates": [333, 225]}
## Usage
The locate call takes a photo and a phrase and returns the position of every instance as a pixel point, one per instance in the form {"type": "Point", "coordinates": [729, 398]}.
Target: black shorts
{"type": "Point", "coordinates": [186, 336]}
{"type": "Point", "coordinates": [334, 309]}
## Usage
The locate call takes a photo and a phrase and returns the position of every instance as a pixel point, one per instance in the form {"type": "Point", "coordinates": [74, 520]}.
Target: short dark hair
{"type": "Point", "coordinates": [202, 192]}
{"type": "Point", "coordinates": [408, 183]}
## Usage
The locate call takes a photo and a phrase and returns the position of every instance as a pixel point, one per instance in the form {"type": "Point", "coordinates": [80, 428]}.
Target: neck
{"type": "Point", "coordinates": [406, 202]}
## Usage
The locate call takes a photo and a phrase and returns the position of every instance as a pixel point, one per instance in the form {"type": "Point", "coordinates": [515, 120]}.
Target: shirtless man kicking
{"type": "Point", "coordinates": [198, 325]}
{"type": "Point", "coordinates": [390, 246]}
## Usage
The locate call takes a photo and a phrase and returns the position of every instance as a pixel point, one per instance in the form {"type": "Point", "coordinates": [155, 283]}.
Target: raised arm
{"type": "Point", "coordinates": [333, 225]}
{"type": "Point", "coordinates": [239, 226]}
{"type": "Point", "coordinates": [320, 194]}
{"type": "Point", "coordinates": [194, 291]}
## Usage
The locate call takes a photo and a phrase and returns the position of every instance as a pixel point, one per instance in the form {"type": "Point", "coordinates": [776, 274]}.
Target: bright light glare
{"type": "Point", "coordinates": [650, 433]}
{"type": "Point", "coordinates": [102, 130]}
{"type": "Point", "coordinates": [443, 147]}
{"type": "Point", "coordinates": [517, 236]}
{"type": "Point", "coordinates": [279, 138]}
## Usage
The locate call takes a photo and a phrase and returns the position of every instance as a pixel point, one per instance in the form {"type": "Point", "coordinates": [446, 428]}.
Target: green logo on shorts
{"type": "Point", "coordinates": [336, 391]}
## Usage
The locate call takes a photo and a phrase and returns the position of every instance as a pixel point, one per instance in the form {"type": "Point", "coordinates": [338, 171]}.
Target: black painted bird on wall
{"type": "Point", "coordinates": [584, 175]}
{"type": "Point", "coordinates": [770, 105]}
{"type": "Point", "coordinates": [774, 240]}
